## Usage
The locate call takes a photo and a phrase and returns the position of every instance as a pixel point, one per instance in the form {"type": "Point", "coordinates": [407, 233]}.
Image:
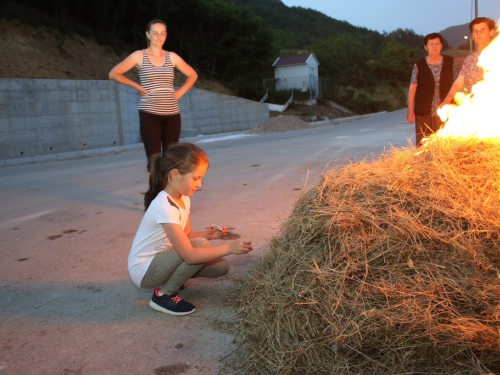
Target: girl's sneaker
{"type": "Point", "coordinates": [171, 304]}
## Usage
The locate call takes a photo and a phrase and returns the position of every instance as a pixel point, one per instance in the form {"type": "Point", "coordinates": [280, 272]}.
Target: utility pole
{"type": "Point", "coordinates": [475, 16]}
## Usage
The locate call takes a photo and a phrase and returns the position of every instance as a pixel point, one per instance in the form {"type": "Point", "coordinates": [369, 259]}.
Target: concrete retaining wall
{"type": "Point", "coordinates": [42, 117]}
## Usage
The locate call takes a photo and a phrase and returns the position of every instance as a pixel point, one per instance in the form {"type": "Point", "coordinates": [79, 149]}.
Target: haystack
{"type": "Point", "coordinates": [386, 267]}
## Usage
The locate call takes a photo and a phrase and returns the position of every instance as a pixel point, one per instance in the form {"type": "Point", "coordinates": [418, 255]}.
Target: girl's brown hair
{"type": "Point", "coordinates": [184, 157]}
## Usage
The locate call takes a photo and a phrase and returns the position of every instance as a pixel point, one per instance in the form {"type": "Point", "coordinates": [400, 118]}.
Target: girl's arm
{"type": "Point", "coordinates": [185, 69]}
{"type": "Point", "coordinates": [192, 255]}
{"type": "Point", "coordinates": [209, 234]}
{"type": "Point", "coordinates": [117, 73]}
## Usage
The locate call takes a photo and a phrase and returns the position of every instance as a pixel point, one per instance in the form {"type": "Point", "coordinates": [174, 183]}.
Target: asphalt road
{"type": "Point", "coordinates": [67, 305]}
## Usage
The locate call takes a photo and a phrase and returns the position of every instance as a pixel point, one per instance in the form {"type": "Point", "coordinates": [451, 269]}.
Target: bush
{"type": "Point", "coordinates": [368, 100]}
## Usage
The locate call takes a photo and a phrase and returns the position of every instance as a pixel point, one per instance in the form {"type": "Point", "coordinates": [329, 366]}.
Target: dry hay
{"type": "Point", "coordinates": [386, 267]}
{"type": "Point", "coordinates": [279, 124]}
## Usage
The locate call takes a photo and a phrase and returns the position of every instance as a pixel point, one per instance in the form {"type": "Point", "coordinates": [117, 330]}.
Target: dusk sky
{"type": "Point", "coordinates": [423, 16]}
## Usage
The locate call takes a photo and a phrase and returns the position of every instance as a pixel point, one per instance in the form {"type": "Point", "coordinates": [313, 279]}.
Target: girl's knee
{"type": "Point", "coordinates": [215, 268]}
{"type": "Point", "coordinates": [223, 267]}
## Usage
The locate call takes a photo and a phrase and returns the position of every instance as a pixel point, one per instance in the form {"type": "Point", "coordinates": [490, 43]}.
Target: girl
{"type": "Point", "coordinates": [159, 113]}
{"type": "Point", "coordinates": [166, 252]}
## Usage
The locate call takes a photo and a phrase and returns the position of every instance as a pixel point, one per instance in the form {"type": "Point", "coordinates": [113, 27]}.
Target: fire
{"type": "Point", "coordinates": [477, 114]}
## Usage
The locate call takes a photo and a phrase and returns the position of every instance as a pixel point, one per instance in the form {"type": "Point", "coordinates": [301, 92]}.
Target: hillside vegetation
{"type": "Point", "coordinates": [456, 36]}
{"type": "Point", "coordinates": [233, 42]}
{"type": "Point", "coordinates": [43, 52]}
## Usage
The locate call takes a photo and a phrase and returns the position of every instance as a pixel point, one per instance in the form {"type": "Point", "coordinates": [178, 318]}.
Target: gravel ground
{"type": "Point", "coordinates": [279, 124]}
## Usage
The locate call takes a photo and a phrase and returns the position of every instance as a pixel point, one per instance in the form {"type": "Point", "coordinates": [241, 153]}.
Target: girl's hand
{"type": "Point", "coordinates": [217, 231]}
{"type": "Point", "coordinates": [214, 233]}
{"type": "Point", "coordinates": [241, 247]}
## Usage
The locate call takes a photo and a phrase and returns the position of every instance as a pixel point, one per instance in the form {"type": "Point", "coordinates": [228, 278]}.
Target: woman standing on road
{"type": "Point", "coordinates": [431, 79]}
{"type": "Point", "coordinates": [159, 113]}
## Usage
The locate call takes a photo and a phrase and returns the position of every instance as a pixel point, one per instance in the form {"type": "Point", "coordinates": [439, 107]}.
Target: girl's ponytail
{"type": "Point", "coordinates": [156, 180]}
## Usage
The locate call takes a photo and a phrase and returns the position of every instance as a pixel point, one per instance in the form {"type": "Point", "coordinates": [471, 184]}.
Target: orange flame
{"type": "Point", "coordinates": [478, 113]}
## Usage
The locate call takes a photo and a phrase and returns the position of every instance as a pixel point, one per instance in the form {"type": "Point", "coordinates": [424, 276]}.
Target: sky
{"type": "Point", "coordinates": [423, 16]}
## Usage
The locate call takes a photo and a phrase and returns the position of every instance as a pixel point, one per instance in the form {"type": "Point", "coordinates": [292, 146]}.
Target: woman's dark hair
{"type": "Point", "coordinates": [433, 36]}
{"type": "Point", "coordinates": [152, 22]}
{"type": "Point", "coordinates": [488, 21]}
{"type": "Point", "coordinates": [184, 157]}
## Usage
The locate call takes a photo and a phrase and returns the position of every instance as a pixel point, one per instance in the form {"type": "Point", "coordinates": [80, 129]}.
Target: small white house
{"type": "Point", "coordinates": [297, 72]}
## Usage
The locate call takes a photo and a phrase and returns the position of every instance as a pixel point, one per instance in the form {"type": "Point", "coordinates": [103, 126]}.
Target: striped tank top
{"type": "Point", "coordinates": [159, 83]}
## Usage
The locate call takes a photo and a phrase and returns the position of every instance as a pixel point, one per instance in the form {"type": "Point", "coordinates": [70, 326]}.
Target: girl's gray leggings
{"type": "Point", "coordinates": [169, 272]}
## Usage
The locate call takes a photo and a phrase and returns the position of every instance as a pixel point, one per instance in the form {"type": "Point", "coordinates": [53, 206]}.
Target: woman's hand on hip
{"type": "Point", "coordinates": [177, 95]}
{"type": "Point", "coordinates": [142, 90]}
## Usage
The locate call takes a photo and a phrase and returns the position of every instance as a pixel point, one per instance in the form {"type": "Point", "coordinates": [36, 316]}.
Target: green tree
{"type": "Point", "coordinates": [223, 41]}
{"type": "Point", "coordinates": [394, 62]}
{"type": "Point", "coordinates": [406, 37]}
{"type": "Point", "coordinates": [343, 59]}
{"type": "Point", "coordinates": [409, 38]}
{"type": "Point", "coordinates": [304, 26]}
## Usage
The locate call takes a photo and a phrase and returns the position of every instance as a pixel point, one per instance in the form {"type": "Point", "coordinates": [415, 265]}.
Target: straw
{"type": "Point", "coordinates": [386, 267]}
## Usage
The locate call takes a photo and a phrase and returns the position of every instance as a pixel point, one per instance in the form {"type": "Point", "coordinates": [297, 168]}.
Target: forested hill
{"type": "Point", "coordinates": [233, 41]}
{"type": "Point", "coordinates": [455, 35]}
{"type": "Point", "coordinates": [299, 27]}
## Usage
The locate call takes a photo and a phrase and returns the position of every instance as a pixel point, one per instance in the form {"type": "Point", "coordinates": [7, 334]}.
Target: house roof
{"type": "Point", "coordinates": [294, 60]}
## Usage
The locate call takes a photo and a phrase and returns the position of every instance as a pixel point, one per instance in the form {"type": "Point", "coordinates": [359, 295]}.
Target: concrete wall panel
{"type": "Point", "coordinates": [41, 117]}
